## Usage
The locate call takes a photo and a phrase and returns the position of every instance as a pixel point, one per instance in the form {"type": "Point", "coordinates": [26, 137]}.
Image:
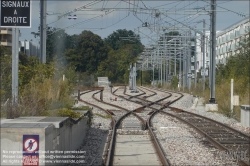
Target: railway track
{"type": "Point", "coordinates": [157, 146]}
{"type": "Point", "coordinates": [122, 120]}
{"type": "Point", "coordinates": [127, 115]}
{"type": "Point", "coordinates": [234, 143]}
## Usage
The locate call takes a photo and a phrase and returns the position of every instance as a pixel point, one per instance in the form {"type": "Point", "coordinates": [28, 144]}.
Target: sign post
{"type": "Point", "coordinates": [15, 14]}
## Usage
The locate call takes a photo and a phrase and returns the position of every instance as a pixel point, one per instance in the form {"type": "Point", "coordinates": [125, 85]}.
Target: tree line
{"type": "Point", "coordinates": [88, 53]}
{"type": "Point", "coordinates": [80, 58]}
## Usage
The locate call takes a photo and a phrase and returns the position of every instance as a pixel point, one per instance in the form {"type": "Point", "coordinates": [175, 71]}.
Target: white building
{"type": "Point", "coordinates": [229, 39]}
{"type": "Point", "coordinates": [6, 37]}
{"type": "Point", "coordinates": [199, 52]}
{"type": "Point", "coordinates": [30, 48]}
{"type": "Point", "coordinates": [227, 42]}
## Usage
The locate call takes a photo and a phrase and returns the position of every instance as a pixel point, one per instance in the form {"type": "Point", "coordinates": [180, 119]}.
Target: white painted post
{"type": "Point", "coordinates": [63, 77]}
{"type": "Point", "coordinates": [232, 94]}
{"type": "Point", "coordinates": [135, 77]}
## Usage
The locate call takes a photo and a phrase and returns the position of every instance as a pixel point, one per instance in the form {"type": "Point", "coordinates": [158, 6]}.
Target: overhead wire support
{"type": "Point", "coordinates": [213, 51]}
{"type": "Point", "coordinates": [240, 14]}
{"type": "Point", "coordinates": [79, 8]}
{"type": "Point", "coordinates": [76, 24]}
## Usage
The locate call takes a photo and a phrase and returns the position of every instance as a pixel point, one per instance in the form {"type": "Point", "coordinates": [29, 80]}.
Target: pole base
{"type": "Point", "coordinates": [212, 101]}
{"type": "Point", "coordinates": [211, 107]}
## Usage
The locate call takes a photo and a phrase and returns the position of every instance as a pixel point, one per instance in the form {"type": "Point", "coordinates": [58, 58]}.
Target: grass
{"type": "Point", "coordinates": [103, 116]}
{"type": "Point", "coordinates": [62, 112]}
{"type": "Point", "coordinates": [82, 108]}
{"type": "Point", "coordinates": [223, 97]}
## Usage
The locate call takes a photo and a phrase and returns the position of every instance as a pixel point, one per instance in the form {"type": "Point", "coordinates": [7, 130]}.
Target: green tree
{"type": "Point", "coordinates": [174, 82]}
{"type": "Point", "coordinates": [5, 73]}
{"type": "Point", "coordinates": [146, 77]}
{"type": "Point", "coordinates": [90, 51]}
{"type": "Point", "coordinates": [121, 37]}
{"type": "Point", "coordinates": [57, 41]}
{"type": "Point", "coordinates": [117, 63]}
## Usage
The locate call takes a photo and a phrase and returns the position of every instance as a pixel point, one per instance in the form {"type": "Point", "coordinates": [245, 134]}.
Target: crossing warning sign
{"type": "Point", "coordinates": [16, 13]}
{"type": "Point", "coordinates": [30, 150]}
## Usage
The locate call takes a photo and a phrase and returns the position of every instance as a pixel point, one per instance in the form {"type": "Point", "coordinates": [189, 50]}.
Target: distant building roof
{"type": "Point", "coordinates": [233, 26]}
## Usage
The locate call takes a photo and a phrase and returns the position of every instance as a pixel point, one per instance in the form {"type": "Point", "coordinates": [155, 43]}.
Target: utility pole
{"type": "Point", "coordinates": [184, 66]}
{"type": "Point", "coordinates": [180, 73]}
{"type": "Point", "coordinates": [43, 11]}
{"type": "Point", "coordinates": [213, 46]}
{"type": "Point", "coordinates": [203, 50]}
{"type": "Point", "coordinates": [189, 61]}
{"type": "Point", "coordinates": [175, 57]}
{"type": "Point", "coordinates": [15, 60]}
{"type": "Point", "coordinates": [141, 77]}
{"type": "Point", "coordinates": [169, 64]}
{"type": "Point", "coordinates": [166, 71]}
{"type": "Point", "coordinates": [195, 67]}
{"type": "Point", "coordinates": [152, 55]}
{"type": "Point", "coordinates": [161, 67]}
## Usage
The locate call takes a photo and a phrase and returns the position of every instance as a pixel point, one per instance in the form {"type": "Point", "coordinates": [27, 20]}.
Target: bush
{"type": "Point", "coordinates": [237, 68]}
{"type": "Point", "coordinates": [174, 82]}
{"type": "Point", "coordinates": [64, 112]}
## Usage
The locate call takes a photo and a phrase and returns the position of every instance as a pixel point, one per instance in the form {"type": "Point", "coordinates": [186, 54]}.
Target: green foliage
{"type": "Point", "coordinates": [146, 77]}
{"type": "Point", "coordinates": [38, 88]}
{"type": "Point", "coordinates": [116, 65]}
{"type": "Point", "coordinates": [82, 108]}
{"type": "Point", "coordinates": [237, 68]}
{"type": "Point", "coordinates": [5, 73]}
{"type": "Point", "coordinates": [57, 42]}
{"type": "Point", "coordinates": [78, 57]}
{"type": "Point", "coordinates": [89, 53]}
{"type": "Point", "coordinates": [174, 82]}
{"type": "Point", "coordinates": [30, 68]}
{"type": "Point", "coordinates": [85, 80]}
{"type": "Point", "coordinates": [117, 40]}
{"type": "Point", "coordinates": [64, 112]}
{"type": "Point", "coordinates": [103, 116]}
{"type": "Point", "coordinates": [36, 97]}
{"type": "Point", "coordinates": [168, 36]}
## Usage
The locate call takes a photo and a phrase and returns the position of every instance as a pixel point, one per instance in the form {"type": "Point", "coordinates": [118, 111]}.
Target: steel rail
{"type": "Point", "coordinates": [156, 143]}
{"type": "Point", "coordinates": [141, 119]}
{"type": "Point", "coordinates": [107, 112]}
{"type": "Point", "coordinates": [114, 124]}
{"type": "Point", "coordinates": [207, 136]}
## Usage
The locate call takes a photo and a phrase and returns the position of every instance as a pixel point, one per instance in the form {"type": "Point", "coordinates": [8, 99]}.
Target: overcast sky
{"type": "Point", "coordinates": [104, 17]}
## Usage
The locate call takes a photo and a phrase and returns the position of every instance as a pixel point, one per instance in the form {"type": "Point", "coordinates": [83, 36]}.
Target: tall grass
{"type": "Point", "coordinates": [38, 97]}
